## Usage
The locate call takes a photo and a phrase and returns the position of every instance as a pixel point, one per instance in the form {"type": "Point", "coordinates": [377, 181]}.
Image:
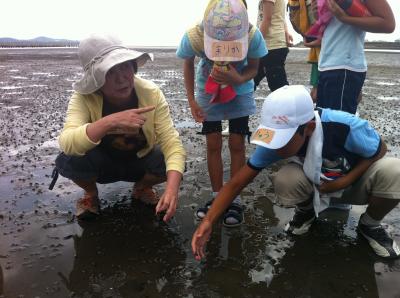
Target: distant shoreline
{"type": "Point", "coordinates": [44, 41]}
{"type": "Point", "coordinates": [369, 46]}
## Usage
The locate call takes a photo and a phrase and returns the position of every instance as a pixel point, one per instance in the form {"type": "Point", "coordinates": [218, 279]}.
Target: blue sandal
{"type": "Point", "coordinates": [233, 216]}
{"type": "Point", "coordinates": [202, 211]}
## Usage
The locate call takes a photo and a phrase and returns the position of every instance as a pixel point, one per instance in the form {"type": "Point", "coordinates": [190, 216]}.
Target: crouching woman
{"type": "Point", "coordinates": [113, 123]}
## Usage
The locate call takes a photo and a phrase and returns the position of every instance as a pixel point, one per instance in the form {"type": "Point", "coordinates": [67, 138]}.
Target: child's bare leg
{"type": "Point", "coordinates": [313, 93]}
{"type": "Point", "coordinates": [234, 214]}
{"type": "Point", "coordinates": [237, 150]}
{"type": "Point", "coordinates": [214, 160]}
{"type": "Point", "coordinates": [359, 98]}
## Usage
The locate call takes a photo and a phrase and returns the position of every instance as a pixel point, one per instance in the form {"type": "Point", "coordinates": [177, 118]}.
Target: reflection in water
{"type": "Point", "coordinates": [241, 262]}
{"type": "Point", "coordinates": [125, 254]}
{"type": "Point", "coordinates": [310, 268]}
{"type": "Point", "coordinates": [387, 278]}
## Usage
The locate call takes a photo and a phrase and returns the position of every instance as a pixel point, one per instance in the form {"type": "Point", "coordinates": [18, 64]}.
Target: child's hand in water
{"type": "Point", "coordinates": [226, 75]}
{"type": "Point", "coordinates": [200, 238]}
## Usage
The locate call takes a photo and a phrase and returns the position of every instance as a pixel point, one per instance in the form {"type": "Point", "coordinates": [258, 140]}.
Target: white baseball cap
{"type": "Point", "coordinates": [283, 111]}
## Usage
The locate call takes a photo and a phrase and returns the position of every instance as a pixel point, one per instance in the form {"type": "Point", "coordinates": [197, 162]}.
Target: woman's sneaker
{"type": "Point", "coordinates": [87, 207]}
{"type": "Point", "coordinates": [380, 241]}
{"type": "Point", "coordinates": [301, 222]}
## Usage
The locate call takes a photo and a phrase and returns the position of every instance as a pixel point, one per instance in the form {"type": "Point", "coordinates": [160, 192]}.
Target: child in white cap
{"type": "Point", "coordinates": [229, 49]}
{"type": "Point", "coordinates": [290, 127]}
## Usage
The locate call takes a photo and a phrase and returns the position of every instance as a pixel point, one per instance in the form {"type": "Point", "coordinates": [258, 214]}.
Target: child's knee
{"type": "Point", "coordinates": [236, 143]}
{"type": "Point", "coordinates": [291, 185]}
{"type": "Point", "coordinates": [214, 146]}
{"type": "Point", "coordinates": [386, 178]}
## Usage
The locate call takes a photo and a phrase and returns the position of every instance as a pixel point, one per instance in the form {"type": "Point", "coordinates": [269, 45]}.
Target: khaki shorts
{"type": "Point", "coordinates": [382, 180]}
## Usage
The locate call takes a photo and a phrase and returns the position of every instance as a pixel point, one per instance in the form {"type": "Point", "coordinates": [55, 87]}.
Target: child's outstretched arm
{"type": "Point", "coordinates": [188, 76]}
{"type": "Point", "coordinates": [224, 198]}
{"type": "Point", "coordinates": [381, 21]}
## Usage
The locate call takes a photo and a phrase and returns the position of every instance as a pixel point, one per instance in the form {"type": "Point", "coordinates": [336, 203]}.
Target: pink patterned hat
{"type": "Point", "coordinates": [226, 29]}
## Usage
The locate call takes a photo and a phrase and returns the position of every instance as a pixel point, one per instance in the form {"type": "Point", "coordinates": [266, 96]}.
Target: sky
{"type": "Point", "coordinates": [136, 22]}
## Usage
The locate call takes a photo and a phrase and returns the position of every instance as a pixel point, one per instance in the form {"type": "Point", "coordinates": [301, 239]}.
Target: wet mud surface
{"type": "Point", "coordinates": [128, 252]}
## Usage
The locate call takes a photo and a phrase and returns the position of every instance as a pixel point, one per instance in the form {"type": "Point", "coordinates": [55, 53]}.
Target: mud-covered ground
{"type": "Point", "coordinates": [128, 252]}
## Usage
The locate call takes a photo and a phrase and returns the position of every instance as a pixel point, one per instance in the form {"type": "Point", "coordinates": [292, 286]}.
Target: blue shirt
{"type": "Point", "coordinates": [342, 48]}
{"type": "Point", "coordinates": [345, 136]}
{"type": "Point", "coordinates": [257, 49]}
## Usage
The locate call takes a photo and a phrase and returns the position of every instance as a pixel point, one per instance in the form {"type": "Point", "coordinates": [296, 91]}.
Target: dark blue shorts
{"type": "Point", "coordinates": [339, 89]}
{"type": "Point", "coordinates": [237, 125]}
{"type": "Point", "coordinates": [97, 164]}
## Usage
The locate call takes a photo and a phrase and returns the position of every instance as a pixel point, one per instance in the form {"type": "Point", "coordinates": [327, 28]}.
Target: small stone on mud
{"type": "Point", "coordinates": [96, 288]}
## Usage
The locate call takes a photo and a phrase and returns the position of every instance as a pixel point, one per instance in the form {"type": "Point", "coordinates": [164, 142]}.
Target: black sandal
{"type": "Point", "coordinates": [234, 211]}
{"type": "Point", "coordinates": [203, 210]}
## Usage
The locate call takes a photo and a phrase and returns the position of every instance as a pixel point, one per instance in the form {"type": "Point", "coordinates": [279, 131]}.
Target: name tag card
{"type": "Point", "coordinates": [227, 49]}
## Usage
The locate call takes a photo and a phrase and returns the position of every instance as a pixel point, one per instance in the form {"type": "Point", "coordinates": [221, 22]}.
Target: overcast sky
{"type": "Point", "coordinates": [137, 22]}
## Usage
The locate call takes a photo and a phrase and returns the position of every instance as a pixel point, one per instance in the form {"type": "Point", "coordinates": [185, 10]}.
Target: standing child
{"type": "Point", "coordinates": [229, 49]}
{"type": "Point", "coordinates": [302, 15]}
{"type": "Point", "coordinates": [342, 62]}
{"type": "Point", "coordinates": [272, 25]}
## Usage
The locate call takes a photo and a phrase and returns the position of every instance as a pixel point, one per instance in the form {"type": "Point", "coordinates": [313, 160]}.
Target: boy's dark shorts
{"type": "Point", "coordinates": [237, 126]}
{"type": "Point", "coordinates": [339, 89]}
{"type": "Point", "coordinates": [96, 163]}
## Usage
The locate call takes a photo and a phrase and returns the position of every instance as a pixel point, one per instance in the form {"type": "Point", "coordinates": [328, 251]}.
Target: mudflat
{"type": "Point", "coordinates": [129, 252]}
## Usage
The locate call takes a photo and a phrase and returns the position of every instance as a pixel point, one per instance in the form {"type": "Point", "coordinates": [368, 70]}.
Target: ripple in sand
{"type": "Point", "coordinates": [385, 83]}
{"type": "Point", "coordinates": [388, 98]}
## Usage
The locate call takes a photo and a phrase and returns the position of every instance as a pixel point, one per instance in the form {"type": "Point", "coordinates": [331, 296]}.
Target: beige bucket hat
{"type": "Point", "coordinates": [99, 53]}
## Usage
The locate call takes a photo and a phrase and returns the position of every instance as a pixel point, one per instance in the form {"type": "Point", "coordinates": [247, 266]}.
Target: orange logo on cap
{"type": "Point", "coordinates": [264, 135]}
